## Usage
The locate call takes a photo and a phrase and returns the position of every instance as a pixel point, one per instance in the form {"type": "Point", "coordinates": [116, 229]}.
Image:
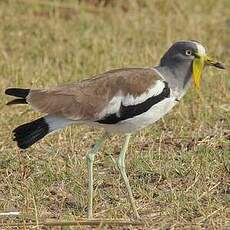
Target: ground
{"type": "Point", "coordinates": [178, 168]}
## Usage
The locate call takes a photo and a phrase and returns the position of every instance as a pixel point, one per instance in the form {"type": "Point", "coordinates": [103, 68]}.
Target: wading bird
{"type": "Point", "coordinates": [121, 101]}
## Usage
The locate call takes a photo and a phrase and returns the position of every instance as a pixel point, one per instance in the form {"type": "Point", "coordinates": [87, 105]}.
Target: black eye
{"type": "Point", "coordinates": [188, 52]}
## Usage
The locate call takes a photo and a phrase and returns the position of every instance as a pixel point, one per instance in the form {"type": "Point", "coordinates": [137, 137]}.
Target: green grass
{"type": "Point", "coordinates": [178, 168]}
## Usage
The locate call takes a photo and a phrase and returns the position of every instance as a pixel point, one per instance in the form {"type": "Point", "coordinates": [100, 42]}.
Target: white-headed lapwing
{"type": "Point", "coordinates": [121, 101]}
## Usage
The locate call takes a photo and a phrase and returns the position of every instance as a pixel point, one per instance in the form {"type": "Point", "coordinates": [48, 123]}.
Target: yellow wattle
{"type": "Point", "coordinates": [197, 68]}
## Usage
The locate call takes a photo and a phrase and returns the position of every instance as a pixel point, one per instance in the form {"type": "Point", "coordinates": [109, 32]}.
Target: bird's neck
{"type": "Point", "coordinates": [178, 76]}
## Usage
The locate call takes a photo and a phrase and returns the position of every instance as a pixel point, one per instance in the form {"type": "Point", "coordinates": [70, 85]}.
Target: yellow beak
{"type": "Point", "coordinates": [198, 65]}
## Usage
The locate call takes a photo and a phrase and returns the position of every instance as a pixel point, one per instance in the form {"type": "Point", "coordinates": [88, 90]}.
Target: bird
{"type": "Point", "coordinates": [121, 101]}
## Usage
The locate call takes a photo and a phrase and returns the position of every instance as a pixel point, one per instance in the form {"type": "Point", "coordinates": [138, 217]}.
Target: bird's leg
{"type": "Point", "coordinates": [121, 166]}
{"type": "Point", "coordinates": [90, 159]}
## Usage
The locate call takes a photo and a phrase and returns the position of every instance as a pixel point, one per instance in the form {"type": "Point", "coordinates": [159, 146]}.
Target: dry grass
{"type": "Point", "coordinates": [179, 169]}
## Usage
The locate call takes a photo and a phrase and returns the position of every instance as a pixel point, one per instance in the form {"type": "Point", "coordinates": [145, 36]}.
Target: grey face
{"type": "Point", "coordinates": [182, 51]}
{"type": "Point", "coordinates": [177, 64]}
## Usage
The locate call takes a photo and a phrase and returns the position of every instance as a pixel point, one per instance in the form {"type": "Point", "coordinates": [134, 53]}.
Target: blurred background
{"type": "Point", "coordinates": [179, 168]}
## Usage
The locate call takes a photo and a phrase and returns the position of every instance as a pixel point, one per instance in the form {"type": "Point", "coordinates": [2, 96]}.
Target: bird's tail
{"type": "Point", "coordinates": [27, 134]}
{"type": "Point", "coordinates": [21, 95]}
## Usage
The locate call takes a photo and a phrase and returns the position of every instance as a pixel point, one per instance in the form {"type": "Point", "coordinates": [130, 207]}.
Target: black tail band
{"type": "Point", "coordinates": [29, 133]}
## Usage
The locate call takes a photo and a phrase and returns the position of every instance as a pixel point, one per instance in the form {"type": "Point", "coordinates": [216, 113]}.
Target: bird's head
{"type": "Point", "coordinates": [191, 52]}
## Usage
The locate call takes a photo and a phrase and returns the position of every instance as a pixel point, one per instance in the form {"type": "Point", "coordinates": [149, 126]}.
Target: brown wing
{"type": "Point", "coordinates": [86, 99]}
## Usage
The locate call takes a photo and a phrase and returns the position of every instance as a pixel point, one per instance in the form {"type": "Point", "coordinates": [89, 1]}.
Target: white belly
{"type": "Point", "coordinates": [145, 119]}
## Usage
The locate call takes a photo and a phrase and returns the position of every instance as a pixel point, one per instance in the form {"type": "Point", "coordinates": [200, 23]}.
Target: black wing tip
{"type": "Point", "coordinates": [17, 101]}
{"type": "Point", "coordinates": [8, 91]}
{"type": "Point", "coordinates": [17, 92]}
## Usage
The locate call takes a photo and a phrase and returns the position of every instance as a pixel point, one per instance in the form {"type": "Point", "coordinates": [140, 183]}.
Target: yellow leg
{"type": "Point", "coordinates": [121, 166]}
{"type": "Point", "coordinates": [90, 159]}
